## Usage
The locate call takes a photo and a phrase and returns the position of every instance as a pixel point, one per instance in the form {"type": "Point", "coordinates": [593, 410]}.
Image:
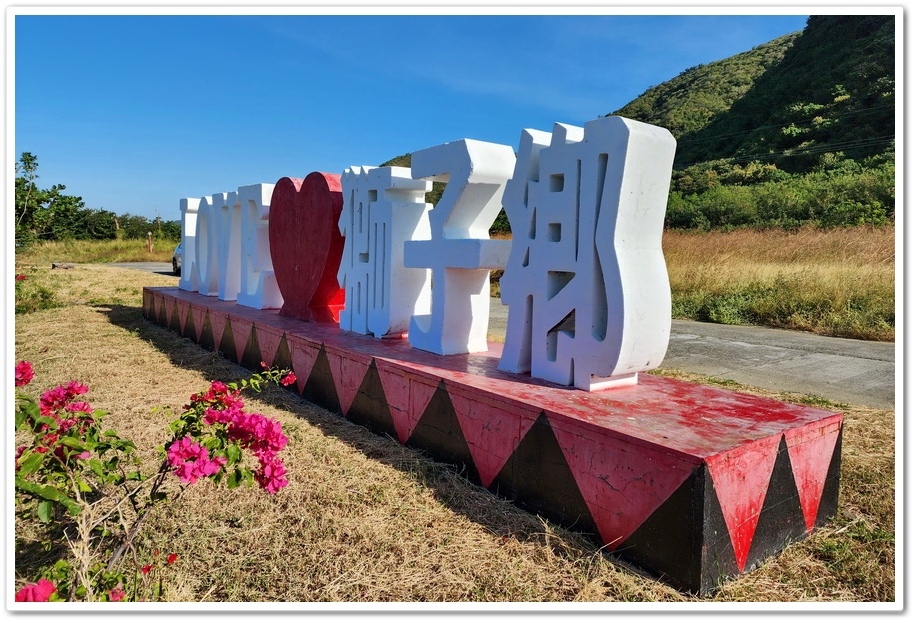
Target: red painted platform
{"type": "Point", "coordinates": [691, 483]}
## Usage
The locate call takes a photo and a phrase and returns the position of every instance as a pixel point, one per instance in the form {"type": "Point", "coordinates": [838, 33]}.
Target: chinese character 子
{"type": "Point", "coordinates": [586, 281]}
{"type": "Point", "coordinates": [382, 208]}
{"type": "Point", "coordinates": [460, 252]}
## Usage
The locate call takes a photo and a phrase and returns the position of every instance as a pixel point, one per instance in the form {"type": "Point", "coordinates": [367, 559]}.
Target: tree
{"type": "Point", "coordinates": [49, 214]}
{"type": "Point", "coordinates": [26, 174]}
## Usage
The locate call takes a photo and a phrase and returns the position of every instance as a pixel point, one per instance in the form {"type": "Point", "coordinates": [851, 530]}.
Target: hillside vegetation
{"type": "Point", "coordinates": [799, 130]}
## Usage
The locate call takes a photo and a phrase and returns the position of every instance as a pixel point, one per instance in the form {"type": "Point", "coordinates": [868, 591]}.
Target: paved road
{"type": "Point", "coordinates": [163, 268]}
{"type": "Point", "coordinates": [852, 371]}
{"type": "Point", "coordinates": [857, 372]}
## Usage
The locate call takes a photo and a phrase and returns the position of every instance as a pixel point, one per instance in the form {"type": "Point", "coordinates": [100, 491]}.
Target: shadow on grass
{"type": "Point", "coordinates": [449, 483]}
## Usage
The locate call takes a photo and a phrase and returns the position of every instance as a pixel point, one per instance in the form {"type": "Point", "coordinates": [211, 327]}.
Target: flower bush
{"type": "Point", "coordinates": [84, 479]}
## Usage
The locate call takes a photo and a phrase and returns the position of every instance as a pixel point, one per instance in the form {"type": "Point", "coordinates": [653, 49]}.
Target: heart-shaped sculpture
{"type": "Point", "coordinates": [306, 246]}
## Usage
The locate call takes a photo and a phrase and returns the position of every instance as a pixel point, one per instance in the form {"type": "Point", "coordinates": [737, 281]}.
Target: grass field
{"type": "Point", "coordinates": [837, 282]}
{"type": "Point", "coordinates": [365, 519]}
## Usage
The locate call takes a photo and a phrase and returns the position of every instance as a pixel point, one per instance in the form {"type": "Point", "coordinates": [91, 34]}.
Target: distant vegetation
{"type": "Point", "coordinates": [797, 131]}
{"type": "Point", "coordinates": [48, 214]}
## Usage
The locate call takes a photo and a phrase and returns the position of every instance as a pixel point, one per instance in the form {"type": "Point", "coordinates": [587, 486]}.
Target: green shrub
{"type": "Point", "coordinates": [32, 296]}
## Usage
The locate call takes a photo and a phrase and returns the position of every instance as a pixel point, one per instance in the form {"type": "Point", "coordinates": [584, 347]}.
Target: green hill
{"type": "Point", "coordinates": [688, 102]}
{"type": "Point", "coordinates": [796, 131]}
{"type": "Point", "coordinates": [828, 89]}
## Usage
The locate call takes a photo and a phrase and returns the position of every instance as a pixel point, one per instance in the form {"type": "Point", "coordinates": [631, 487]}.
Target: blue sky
{"type": "Point", "coordinates": [133, 112]}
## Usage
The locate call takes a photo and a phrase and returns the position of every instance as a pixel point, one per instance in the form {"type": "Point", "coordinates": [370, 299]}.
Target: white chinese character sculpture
{"type": "Point", "coordinates": [586, 284]}
{"type": "Point", "coordinates": [228, 213]}
{"type": "Point", "coordinates": [205, 259]}
{"type": "Point", "coordinates": [188, 279]}
{"type": "Point", "coordinates": [382, 208]}
{"type": "Point", "coordinates": [460, 252]}
{"type": "Point", "coordinates": [258, 284]}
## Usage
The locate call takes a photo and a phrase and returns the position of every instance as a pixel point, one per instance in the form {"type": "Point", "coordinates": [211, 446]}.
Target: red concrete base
{"type": "Point", "coordinates": [691, 483]}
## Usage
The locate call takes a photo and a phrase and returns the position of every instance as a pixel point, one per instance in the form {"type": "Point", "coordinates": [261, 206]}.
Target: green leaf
{"type": "Point", "coordinates": [30, 464]}
{"type": "Point", "coordinates": [45, 511]}
{"type": "Point", "coordinates": [43, 420]}
{"type": "Point", "coordinates": [27, 410]}
{"type": "Point", "coordinates": [96, 466]}
{"type": "Point", "coordinates": [234, 453]}
{"type": "Point", "coordinates": [233, 480]}
{"type": "Point", "coordinates": [48, 493]}
{"type": "Point", "coordinates": [73, 442]}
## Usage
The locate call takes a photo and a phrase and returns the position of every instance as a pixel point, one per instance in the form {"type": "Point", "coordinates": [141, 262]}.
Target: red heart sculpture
{"type": "Point", "coordinates": [306, 246]}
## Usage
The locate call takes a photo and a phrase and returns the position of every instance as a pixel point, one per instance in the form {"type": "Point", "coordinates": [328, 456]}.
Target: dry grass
{"type": "Point", "coordinates": [98, 251]}
{"type": "Point", "coordinates": [833, 282]}
{"type": "Point", "coordinates": [368, 520]}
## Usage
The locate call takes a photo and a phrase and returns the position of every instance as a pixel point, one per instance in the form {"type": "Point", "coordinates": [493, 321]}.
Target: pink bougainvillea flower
{"type": "Point", "coordinates": [172, 558]}
{"type": "Point", "coordinates": [24, 373]}
{"type": "Point", "coordinates": [223, 415]}
{"type": "Point", "coordinates": [262, 435]}
{"type": "Point", "coordinates": [40, 591]}
{"type": "Point", "coordinates": [289, 379]}
{"type": "Point", "coordinates": [116, 594]}
{"type": "Point", "coordinates": [272, 476]}
{"type": "Point", "coordinates": [58, 398]}
{"type": "Point", "coordinates": [192, 461]}
{"type": "Point", "coordinates": [79, 407]}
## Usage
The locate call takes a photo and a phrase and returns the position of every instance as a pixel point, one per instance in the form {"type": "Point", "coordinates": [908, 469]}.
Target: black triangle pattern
{"type": "Point", "coordinates": [537, 477]}
{"type": "Point", "coordinates": [672, 536]}
{"type": "Point", "coordinates": [251, 356]}
{"type": "Point", "coordinates": [370, 407]}
{"type": "Point", "coordinates": [206, 333]}
{"type": "Point", "coordinates": [781, 520]}
{"type": "Point", "coordinates": [439, 433]}
{"type": "Point", "coordinates": [174, 318]}
{"type": "Point", "coordinates": [227, 343]}
{"type": "Point", "coordinates": [831, 494]}
{"type": "Point", "coordinates": [283, 359]}
{"type": "Point", "coordinates": [320, 387]}
{"type": "Point", "coordinates": [687, 534]}
{"type": "Point", "coordinates": [190, 331]}
{"type": "Point", "coordinates": [163, 312]}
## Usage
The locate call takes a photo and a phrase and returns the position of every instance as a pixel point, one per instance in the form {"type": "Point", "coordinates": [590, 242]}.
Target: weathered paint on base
{"type": "Point", "coordinates": [693, 484]}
